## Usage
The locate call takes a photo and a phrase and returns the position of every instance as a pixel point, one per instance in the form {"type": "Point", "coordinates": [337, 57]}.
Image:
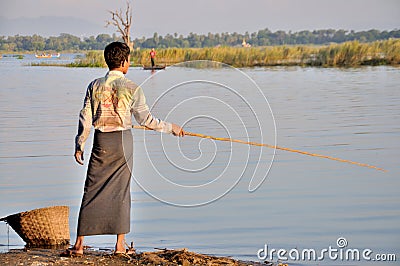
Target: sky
{"type": "Point", "coordinates": [87, 17]}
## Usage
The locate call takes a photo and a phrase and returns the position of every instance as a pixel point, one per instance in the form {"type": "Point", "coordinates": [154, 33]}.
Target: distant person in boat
{"type": "Point", "coordinates": [152, 56]}
{"type": "Point", "coordinates": [109, 104]}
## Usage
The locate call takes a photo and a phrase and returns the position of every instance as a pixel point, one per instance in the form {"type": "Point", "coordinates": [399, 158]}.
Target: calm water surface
{"type": "Point", "coordinates": [305, 202]}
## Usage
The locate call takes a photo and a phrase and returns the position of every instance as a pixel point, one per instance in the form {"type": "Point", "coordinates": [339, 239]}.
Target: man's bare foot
{"type": "Point", "coordinates": [71, 252]}
{"type": "Point", "coordinates": [119, 248]}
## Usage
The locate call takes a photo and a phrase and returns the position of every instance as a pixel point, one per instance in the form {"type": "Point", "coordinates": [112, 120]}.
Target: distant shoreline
{"type": "Point", "coordinates": [262, 37]}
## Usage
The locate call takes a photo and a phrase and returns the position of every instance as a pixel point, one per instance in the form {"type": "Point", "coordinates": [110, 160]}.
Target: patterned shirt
{"type": "Point", "coordinates": [109, 104]}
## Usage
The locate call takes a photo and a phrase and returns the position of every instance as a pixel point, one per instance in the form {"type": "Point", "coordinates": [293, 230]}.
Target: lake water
{"type": "Point", "coordinates": [195, 193]}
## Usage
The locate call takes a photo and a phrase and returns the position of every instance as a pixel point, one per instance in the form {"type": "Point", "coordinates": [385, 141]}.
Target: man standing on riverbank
{"type": "Point", "coordinates": [108, 106]}
{"type": "Point", "coordinates": [152, 56]}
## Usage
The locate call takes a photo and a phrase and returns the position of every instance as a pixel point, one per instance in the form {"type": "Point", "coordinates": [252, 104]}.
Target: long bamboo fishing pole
{"type": "Point", "coordinates": [187, 133]}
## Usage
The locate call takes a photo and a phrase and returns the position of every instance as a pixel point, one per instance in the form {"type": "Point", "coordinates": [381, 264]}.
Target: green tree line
{"type": "Point", "coordinates": [63, 42]}
{"type": "Point", "coordinates": [263, 37]}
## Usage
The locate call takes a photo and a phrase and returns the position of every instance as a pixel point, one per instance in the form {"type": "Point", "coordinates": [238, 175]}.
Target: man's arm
{"type": "Point", "coordinates": [143, 116]}
{"type": "Point", "coordinates": [84, 125]}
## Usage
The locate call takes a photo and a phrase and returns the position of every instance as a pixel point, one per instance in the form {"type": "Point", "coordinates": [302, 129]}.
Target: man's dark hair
{"type": "Point", "coordinates": [115, 54]}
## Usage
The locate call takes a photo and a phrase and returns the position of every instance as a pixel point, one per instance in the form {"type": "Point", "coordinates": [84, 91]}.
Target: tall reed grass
{"type": "Point", "coordinates": [91, 59]}
{"type": "Point", "coordinates": [349, 54]}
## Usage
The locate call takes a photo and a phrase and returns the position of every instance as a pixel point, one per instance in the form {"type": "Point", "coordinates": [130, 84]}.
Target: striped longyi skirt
{"type": "Point", "coordinates": [106, 202]}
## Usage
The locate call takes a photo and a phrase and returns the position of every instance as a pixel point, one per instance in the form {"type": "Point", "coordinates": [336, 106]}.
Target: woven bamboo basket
{"type": "Point", "coordinates": [44, 227]}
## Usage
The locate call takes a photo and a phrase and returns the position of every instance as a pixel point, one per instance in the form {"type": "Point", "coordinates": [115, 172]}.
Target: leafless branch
{"type": "Point", "coordinates": [122, 24]}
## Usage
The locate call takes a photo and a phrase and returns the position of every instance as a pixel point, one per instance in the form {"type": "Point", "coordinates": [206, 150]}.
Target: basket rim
{"type": "Point", "coordinates": [4, 219]}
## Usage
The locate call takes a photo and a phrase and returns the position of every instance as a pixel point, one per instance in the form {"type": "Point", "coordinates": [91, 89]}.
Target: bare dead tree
{"type": "Point", "coordinates": [123, 22]}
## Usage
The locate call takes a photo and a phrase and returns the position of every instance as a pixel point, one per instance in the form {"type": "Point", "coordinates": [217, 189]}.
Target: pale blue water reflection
{"type": "Point", "coordinates": [305, 202]}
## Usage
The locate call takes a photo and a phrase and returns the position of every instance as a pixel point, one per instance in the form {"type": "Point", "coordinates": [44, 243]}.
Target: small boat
{"type": "Point", "coordinates": [153, 68]}
{"type": "Point", "coordinates": [43, 56]}
{"type": "Point", "coordinates": [57, 55]}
